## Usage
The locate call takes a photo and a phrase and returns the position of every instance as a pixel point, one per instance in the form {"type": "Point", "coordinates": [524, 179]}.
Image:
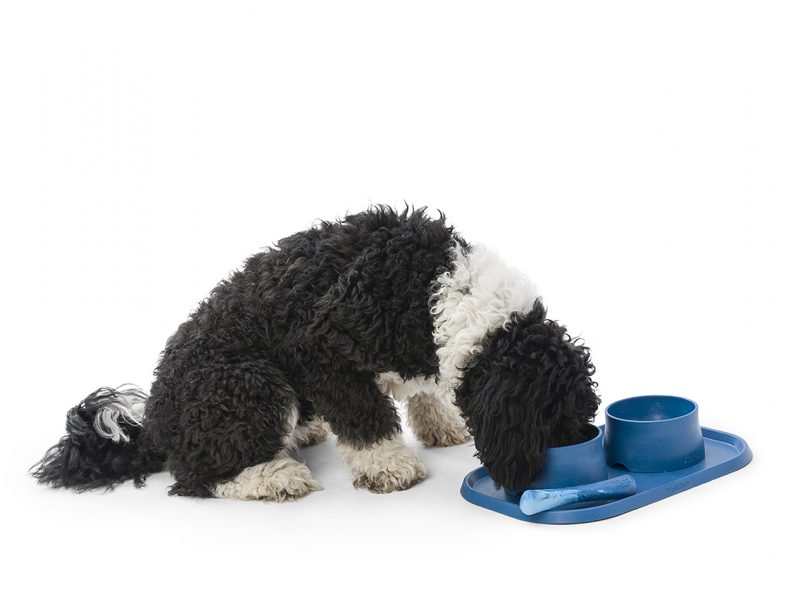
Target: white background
{"type": "Point", "coordinates": [647, 164]}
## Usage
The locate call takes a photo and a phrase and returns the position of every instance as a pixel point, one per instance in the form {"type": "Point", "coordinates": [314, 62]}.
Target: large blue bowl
{"type": "Point", "coordinates": [653, 434]}
{"type": "Point", "coordinates": [573, 465]}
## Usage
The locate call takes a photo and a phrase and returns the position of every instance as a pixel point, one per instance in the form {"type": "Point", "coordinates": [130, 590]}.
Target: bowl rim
{"type": "Point", "coordinates": [581, 444]}
{"type": "Point", "coordinates": [691, 412]}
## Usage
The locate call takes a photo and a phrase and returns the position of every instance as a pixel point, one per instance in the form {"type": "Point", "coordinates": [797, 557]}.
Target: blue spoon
{"type": "Point", "coordinates": [537, 501]}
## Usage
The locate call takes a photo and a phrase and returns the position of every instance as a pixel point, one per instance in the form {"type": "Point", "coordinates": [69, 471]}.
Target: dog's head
{"type": "Point", "coordinates": [529, 388]}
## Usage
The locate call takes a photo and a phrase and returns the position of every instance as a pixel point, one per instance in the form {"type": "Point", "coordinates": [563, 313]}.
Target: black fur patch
{"type": "Point", "coordinates": [84, 460]}
{"type": "Point", "coordinates": [528, 389]}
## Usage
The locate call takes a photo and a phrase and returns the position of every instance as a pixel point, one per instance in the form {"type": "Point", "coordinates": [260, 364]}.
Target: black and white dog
{"type": "Point", "coordinates": [319, 333]}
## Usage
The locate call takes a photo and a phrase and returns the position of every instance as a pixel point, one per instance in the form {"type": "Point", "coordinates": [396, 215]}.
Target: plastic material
{"type": "Point", "coordinates": [725, 453]}
{"type": "Point", "coordinates": [536, 501]}
{"type": "Point", "coordinates": [653, 433]}
{"type": "Point", "coordinates": [573, 465]}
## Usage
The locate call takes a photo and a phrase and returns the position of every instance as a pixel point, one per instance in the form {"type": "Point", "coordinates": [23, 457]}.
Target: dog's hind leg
{"type": "Point", "coordinates": [435, 422]}
{"type": "Point", "coordinates": [236, 422]}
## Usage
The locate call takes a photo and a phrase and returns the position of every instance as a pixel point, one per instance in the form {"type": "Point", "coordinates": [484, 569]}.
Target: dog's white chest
{"type": "Point", "coordinates": [391, 383]}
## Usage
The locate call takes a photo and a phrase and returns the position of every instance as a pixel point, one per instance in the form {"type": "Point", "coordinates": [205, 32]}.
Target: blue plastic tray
{"type": "Point", "coordinates": [725, 453]}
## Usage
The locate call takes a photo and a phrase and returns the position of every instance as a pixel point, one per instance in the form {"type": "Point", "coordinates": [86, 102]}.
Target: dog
{"type": "Point", "coordinates": [323, 332]}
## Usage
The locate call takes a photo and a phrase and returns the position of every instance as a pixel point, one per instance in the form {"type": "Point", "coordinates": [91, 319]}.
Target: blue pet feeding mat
{"type": "Point", "coordinates": [623, 439]}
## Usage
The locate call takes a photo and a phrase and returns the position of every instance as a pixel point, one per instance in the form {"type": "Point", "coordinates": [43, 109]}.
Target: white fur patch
{"type": "Point", "coordinates": [313, 432]}
{"type": "Point", "coordinates": [279, 480]}
{"type": "Point", "coordinates": [384, 466]}
{"type": "Point", "coordinates": [127, 404]}
{"type": "Point", "coordinates": [391, 383]}
{"type": "Point", "coordinates": [475, 297]}
{"type": "Point", "coordinates": [435, 422]}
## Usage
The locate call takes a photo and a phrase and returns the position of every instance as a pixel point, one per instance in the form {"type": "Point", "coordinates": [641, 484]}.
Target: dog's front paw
{"type": "Point", "coordinates": [385, 466]}
{"type": "Point", "coordinates": [400, 473]}
{"type": "Point", "coordinates": [435, 423]}
{"type": "Point", "coordinates": [455, 434]}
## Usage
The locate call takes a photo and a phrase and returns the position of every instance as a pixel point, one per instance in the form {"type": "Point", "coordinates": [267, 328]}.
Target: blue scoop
{"type": "Point", "coordinates": [537, 501]}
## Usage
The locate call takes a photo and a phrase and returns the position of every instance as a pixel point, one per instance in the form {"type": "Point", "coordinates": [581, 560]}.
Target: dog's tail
{"type": "Point", "coordinates": [105, 444]}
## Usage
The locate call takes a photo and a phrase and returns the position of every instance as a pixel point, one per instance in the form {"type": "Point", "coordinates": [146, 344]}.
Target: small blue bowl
{"type": "Point", "coordinates": [653, 434]}
{"type": "Point", "coordinates": [573, 465]}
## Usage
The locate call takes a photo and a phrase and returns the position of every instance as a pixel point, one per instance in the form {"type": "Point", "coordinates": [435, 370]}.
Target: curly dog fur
{"type": "Point", "coordinates": [322, 332]}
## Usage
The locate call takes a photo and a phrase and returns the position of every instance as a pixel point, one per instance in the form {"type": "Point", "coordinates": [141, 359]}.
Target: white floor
{"type": "Point", "coordinates": [129, 544]}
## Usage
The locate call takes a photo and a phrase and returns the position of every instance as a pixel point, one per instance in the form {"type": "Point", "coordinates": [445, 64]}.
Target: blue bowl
{"type": "Point", "coordinates": [573, 465]}
{"type": "Point", "coordinates": [653, 434]}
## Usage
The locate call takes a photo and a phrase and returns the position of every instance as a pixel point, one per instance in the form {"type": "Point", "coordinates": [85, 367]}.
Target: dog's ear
{"type": "Point", "coordinates": [503, 402]}
{"type": "Point", "coordinates": [528, 389]}
{"type": "Point", "coordinates": [377, 313]}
